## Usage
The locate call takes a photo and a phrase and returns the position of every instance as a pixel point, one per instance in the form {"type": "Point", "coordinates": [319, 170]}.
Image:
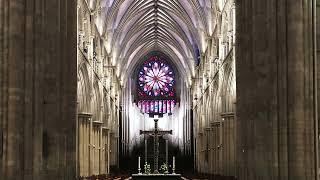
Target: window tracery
{"type": "Point", "coordinates": [156, 82]}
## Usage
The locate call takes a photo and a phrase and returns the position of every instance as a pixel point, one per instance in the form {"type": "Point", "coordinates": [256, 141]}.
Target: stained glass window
{"type": "Point", "coordinates": [164, 106]}
{"type": "Point", "coordinates": [156, 87]}
{"type": "Point", "coordinates": [173, 103]}
{"type": "Point", "coordinates": [160, 106]}
{"type": "Point", "coordinates": [152, 106]}
{"type": "Point", "coordinates": [147, 107]}
{"type": "Point", "coordinates": [156, 106]}
{"type": "Point", "coordinates": [156, 78]}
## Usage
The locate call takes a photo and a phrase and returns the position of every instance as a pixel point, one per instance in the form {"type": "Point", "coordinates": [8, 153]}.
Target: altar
{"type": "Point", "coordinates": [164, 168]}
{"type": "Point", "coordinates": [156, 176]}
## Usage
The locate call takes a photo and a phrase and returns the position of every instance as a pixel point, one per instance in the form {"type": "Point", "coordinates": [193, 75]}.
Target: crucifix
{"type": "Point", "coordinates": [156, 133]}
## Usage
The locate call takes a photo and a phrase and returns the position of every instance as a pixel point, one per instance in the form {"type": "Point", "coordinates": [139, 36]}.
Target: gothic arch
{"type": "Point", "coordinates": [207, 108]}
{"type": "Point", "coordinates": [178, 28]}
{"type": "Point", "coordinates": [96, 102]}
{"type": "Point", "coordinates": [145, 52]}
{"type": "Point", "coordinates": [83, 89]}
{"type": "Point", "coordinates": [228, 88]}
{"type": "Point", "coordinates": [216, 102]}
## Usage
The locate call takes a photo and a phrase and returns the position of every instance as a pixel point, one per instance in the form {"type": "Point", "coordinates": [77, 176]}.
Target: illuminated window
{"type": "Point", "coordinates": [156, 78]}
{"type": "Point", "coordinates": [156, 91]}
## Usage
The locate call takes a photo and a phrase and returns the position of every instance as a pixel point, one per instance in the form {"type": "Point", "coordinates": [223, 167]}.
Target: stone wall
{"type": "Point", "coordinates": [98, 96]}
{"type": "Point", "coordinates": [214, 97]}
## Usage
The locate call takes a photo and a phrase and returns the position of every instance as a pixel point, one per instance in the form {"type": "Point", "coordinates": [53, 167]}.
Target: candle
{"type": "Point", "coordinates": [139, 169]}
{"type": "Point", "coordinates": [173, 161]}
{"type": "Point", "coordinates": [173, 165]}
{"type": "Point", "coordinates": [139, 162]}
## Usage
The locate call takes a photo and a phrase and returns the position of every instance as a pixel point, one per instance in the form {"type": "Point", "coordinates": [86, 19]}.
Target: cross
{"type": "Point", "coordinates": [156, 133]}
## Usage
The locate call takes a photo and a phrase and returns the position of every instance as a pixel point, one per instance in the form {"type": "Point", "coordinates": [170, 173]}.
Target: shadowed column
{"type": "Point", "coordinates": [276, 90]}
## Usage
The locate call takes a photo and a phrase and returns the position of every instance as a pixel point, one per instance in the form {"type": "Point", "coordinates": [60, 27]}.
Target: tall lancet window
{"type": "Point", "coordinates": [156, 87]}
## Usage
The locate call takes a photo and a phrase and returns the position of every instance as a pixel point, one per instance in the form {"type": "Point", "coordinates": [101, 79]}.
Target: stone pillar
{"type": "Point", "coordinates": [318, 74]}
{"type": "Point", "coordinates": [95, 143]}
{"type": "Point", "coordinates": [195, 148]}
{"type": "Point", "coordinates": [101, 149]}
{"type": "Point", "coordinates": [117, 134]}
{"type": "Point", "coordinates": [210, 150]}
{"type": "Point", "coordinates": [229, 144]}
{"type": "Point", "coordinates": [214, 148]}
{"type": "Point", "coordinates": [83, 123]}
{"type": "Point", "coordinates": [87, 147]}
{"type": "Point", "coordinates": [112, 149]}
{"type": "Point", "coordinates": [198, 152]}
{"type": "Point", "coordinates": [103, 157]}
{"type": "Point", "coordinates": [12, 88]}
{"type": "Point", "coordinates": [38, 89]}
{"type": "Point", "coordinates": [201, 162]}
{"type": "Point", "coordinates": [104, 150]}
{"type": "Point", "coordinates": [222, 145]}
{"type": "Point", "coordinates": [206, 150]}
{"type": "Point", "coordinates": [276, 96]}
{"type": "Point", "coordinates": [108, 152]}
{"type": "Point", "coordinates": [203, 149]}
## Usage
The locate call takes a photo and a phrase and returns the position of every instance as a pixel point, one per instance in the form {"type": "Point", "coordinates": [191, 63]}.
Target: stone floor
{"type": "Point", "coordinates": [195, 177]}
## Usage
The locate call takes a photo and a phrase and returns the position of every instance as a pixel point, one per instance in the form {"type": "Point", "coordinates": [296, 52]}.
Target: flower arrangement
{"type": "Point", "coordinates": [164, 168]}
{"type": "Point", "coordinates": [147, 169]}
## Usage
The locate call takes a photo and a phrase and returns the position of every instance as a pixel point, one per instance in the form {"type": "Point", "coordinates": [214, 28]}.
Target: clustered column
{"type": "Point", "coordinates": [276, 91]}
{"type": "Point", "coordinates": [38, 83]}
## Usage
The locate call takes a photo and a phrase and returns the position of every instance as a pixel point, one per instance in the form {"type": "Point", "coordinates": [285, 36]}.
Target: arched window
{"type": "Point", "coordinates": [156, 91]}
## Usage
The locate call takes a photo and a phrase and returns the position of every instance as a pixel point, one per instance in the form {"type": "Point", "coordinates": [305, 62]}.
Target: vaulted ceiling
{"type": "Point", "coordinates": [134, 28]}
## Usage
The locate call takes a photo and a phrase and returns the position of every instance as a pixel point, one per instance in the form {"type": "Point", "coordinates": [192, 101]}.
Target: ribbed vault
{"type": "Point", "coordinates": [133, 28]}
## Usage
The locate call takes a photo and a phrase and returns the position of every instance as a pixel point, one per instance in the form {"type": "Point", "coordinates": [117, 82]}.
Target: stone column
{"type": "Point", "coordinates": [210, 150]}
{"type": "Point", "coordinates": [87, 148]}
{"type": "Point", "coordinates": [201, 148]}
{"type": "Point", "coordinates": [101, 155]}
{"type": "Point", "coordinates": [12, 88]}
{"type": "Point", "coordinates": [108, 152]}
{"type": "Point", "coordinates": [215, 146]}
{"type": "Point", "coordinates": [96, 147]}
{"type": "Point", "coordinates": [229, 144]}
{"type": "Point", "coordinates": [101, 152]}
{"type": "Point", "coordinates": [318, 74]}
{"type": "Point", "coordinates": [84, 120]}
{"type": "Point", "coordinates": [195, 149]}
{"type": "Point", "coordinates": [38, 89]}
{"type": "Point", "coordinates": [104, 146]}
{"type": "Point", "coordinates": [276, 96]}
{"type": "Point", "coordinates": [112, 149]}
